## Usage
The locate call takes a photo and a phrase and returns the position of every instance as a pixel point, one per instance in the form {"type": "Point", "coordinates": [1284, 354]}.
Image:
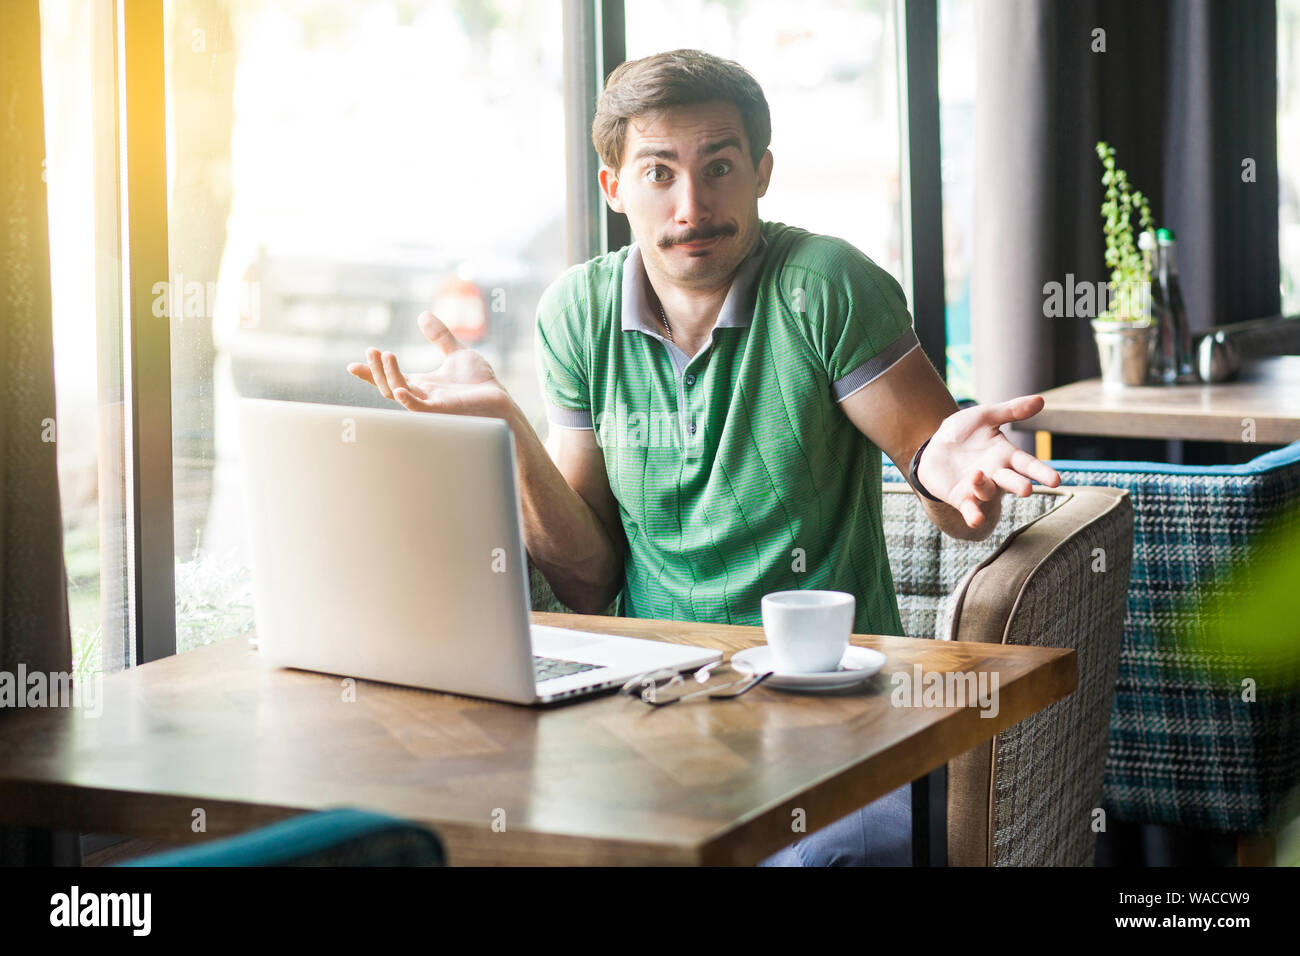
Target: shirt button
{"type": "Point", "coordinates": [692, 428]}
{"type": "Point", "coordinates": [689, 380]}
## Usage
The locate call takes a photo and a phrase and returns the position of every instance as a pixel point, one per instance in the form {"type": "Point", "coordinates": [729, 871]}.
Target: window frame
{"type": "Point", "coordinates": [918, 111]}
{"type": "Point", "coordinates": [147, 339]}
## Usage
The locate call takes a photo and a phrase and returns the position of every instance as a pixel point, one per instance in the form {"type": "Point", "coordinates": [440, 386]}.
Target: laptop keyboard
{"type": "Point", "coordinates": [549, 668]}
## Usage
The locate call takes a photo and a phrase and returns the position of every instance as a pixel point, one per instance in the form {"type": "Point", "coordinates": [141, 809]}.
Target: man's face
{"type": "Point", "coordinates": [690, 192]}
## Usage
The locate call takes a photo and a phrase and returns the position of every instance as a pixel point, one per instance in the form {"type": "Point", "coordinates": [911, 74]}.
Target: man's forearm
{"type": "Point", "coordinates": [565, 538]}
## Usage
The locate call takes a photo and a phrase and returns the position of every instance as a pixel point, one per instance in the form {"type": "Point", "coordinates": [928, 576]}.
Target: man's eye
{"type": "Point", "coordinates": [658, 174]}
{"type": "Point", "coordinates": [720, 168]}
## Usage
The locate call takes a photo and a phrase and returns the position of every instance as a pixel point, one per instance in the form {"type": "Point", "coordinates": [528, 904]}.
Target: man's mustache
{"type": "Point", "coordinates": [697, 235]}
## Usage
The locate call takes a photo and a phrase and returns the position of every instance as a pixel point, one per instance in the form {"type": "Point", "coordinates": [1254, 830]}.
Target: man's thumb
{"type": "Point", "coordinates": [439, 334]}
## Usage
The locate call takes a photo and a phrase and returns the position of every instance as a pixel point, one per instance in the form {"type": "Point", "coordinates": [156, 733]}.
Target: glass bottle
{"type": "Point", "coordinates": [1171, 356]}
{"type": "Point", "coordinates": [1142, 299]}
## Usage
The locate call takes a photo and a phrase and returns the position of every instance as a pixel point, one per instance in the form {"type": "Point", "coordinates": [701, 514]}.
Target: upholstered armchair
{"type": "Point", "coordinates": [1186, 749]}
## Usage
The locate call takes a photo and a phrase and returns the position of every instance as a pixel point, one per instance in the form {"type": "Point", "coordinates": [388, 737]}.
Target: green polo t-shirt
{"type": "Point", "coordinates": [735, 470]}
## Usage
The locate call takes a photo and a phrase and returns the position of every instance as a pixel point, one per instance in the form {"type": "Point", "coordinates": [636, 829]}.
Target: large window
{"type": "Point", "coordinates": [334, 169]}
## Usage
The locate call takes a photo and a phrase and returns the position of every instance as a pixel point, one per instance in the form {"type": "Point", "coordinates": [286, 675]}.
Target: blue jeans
{"type": "Point", "coordinates": [879, 834]}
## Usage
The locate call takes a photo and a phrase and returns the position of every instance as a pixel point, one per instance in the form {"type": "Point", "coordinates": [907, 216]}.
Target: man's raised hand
{"type": "Point", "coordinates": [969, 462]}
{"type": "Point", "coordinates": [464, 384]}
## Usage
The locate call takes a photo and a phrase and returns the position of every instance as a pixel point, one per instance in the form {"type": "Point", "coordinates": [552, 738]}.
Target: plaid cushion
{"type": "Point", "coordinates": [1185, 749]}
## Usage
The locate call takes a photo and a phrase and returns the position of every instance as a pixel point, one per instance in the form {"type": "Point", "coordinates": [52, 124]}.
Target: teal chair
{"type": "Point", "coordinates": [343, 837]}
{"type": "Point", "coordinates": [1185, 749]}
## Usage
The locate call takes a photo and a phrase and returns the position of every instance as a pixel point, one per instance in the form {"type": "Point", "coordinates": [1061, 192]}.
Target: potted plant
{"type": "Point", "coordinates": [1125, 330]}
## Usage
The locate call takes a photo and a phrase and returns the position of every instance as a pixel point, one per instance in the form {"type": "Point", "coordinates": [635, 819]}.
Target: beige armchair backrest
{"type": "Point", "coordinates": [1054, 573]}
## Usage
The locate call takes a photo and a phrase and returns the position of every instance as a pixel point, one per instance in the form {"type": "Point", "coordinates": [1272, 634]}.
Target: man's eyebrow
{"type": "Point", "coordinates": [659, 152]}
{"type": "Point", "coordinates": [720, 145]}
{"type": "Point", "coordinates": [654, 152]}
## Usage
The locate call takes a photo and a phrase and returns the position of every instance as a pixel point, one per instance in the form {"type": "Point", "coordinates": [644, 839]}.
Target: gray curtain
{"type": "Point", "coordinates": [1185, 91]}
{"type": "Point", "coordinates": [33, 601]}
{"type": "Point", "coordinates": [1222, 110]}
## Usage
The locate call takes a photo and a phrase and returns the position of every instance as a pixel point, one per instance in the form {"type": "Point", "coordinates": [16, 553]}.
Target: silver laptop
{"type": "Point", "coordinates": [387, 545]}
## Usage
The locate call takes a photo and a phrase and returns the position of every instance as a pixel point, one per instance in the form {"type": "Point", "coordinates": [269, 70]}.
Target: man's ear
{"type": "Point", "coordinates": [764, 172]}
{"type": "Point", "coordinates": [609, 186]}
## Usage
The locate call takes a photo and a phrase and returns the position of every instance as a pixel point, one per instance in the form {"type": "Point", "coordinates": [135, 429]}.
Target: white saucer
{"type": "Point", "coordinates": [858, 664]}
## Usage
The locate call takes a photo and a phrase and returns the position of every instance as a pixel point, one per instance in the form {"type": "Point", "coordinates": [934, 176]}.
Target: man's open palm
{"type": "Point", "coordinates": [464, 384]}
{"type": "Point", "coordinates": [969, 460]}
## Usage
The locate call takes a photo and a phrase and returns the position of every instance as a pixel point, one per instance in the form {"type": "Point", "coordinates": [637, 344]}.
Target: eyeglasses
{"type": "Point", "coordinates": [650, 687]}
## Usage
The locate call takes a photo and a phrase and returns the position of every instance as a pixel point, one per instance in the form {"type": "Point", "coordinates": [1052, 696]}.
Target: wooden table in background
{"type": "Point", "coordinates": [1267, 393]}
{"type": "Point", "coordinates": [607, 780]}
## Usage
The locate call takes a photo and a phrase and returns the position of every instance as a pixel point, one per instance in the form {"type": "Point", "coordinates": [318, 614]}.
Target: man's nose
{"type": "Point", "coordinates": [692, 201]}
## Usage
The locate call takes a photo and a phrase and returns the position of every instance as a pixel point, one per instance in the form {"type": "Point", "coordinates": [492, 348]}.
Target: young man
{"type": "Point", "coordinates": [719, 393]}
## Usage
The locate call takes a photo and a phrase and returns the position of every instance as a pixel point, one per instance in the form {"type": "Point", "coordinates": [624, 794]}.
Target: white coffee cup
{"type": "Point", "coordinates": [808, 631]}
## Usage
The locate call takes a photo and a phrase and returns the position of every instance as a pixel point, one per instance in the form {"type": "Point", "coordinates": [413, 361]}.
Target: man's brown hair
{"type": "Point", "coordinates": [677, 78]}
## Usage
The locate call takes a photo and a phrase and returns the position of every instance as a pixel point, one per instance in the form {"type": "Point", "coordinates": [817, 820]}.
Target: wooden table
{"type": "Point", "coordinates": [608, 780]}
{"type": "Point", "coordinates": [1267, 394]}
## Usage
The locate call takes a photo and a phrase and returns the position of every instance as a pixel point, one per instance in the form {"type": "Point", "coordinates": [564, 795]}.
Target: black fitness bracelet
{"type": "Point", "coordinates": [913, 480]}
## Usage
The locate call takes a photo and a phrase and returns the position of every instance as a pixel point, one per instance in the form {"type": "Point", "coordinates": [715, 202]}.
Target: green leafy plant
{"type": "Point", "coordinates": [1130, 271]}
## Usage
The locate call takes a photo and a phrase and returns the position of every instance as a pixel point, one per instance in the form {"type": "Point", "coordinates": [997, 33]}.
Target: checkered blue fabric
{"type": "Point", "coordinates": [1185, 748]}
